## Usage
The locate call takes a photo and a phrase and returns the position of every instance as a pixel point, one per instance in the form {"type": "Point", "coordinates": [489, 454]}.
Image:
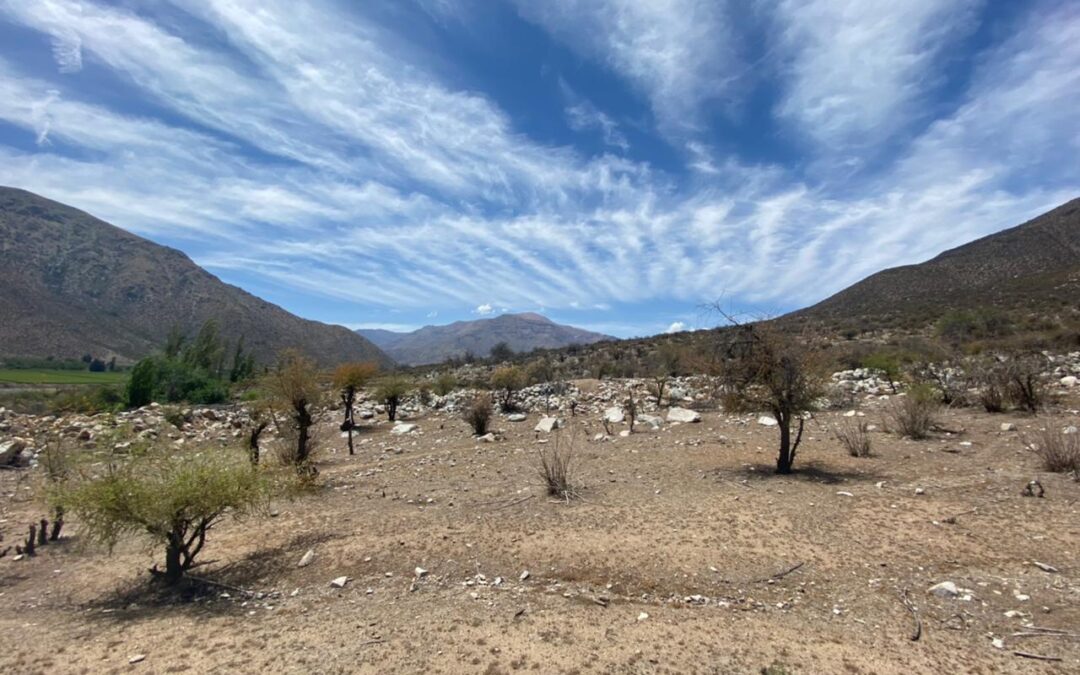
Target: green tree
{"type": "Point", "coordinates": [390, 391]}
{"type": "Point", "coordinates": [174, 499]}
{"type": "Point", "coordinates": [348, 379]}
{"type": "Point", "coordinates": [507, 380]}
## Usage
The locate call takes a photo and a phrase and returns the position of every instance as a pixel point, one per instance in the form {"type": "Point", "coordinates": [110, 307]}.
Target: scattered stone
{"type": "Point", "coordinates": [403, 428]}
{"type": "Point", "coordinates": [137, 658]}
{"type": "Point", "coordinates": [920, 491]}
{"type": "Point", "coordinates": [517, 417]}
{"type": "Point", "coordinates": [946, 589]}
{"type": "Point", "coordinates": [1046, 568]}
{"type": "Point", "coordinates": [1069, 381]}
{"type": "Point", "coordinates": [339, 582]}
{"type": "Point", "coordinates": [998, 643]}
{"type": "Point", "coordinates": [651, 421]}
{"type": "Point", "coordinates": [420, 572]}
{"type": "Point", "coordinates": [1008, 426]}
{"type": "Point", "coordinates": [642, 616]}
{"type": "Point", "coordinates": [767, 421]}
{"type": "Point", "coordinates": [683, 415]}
{"type": "Point", "coordinates": [308, 558]}
{"type": "Point", "coordinates": [524, 575]}
{"type": "Point", "coordinates": [548, 424]}
{"type": "Point", "coordinates": [625, 433]}
{"type": "Point", "coordinates": [488, 438]}
{"type": "Point", "coordinates": [614, 415]}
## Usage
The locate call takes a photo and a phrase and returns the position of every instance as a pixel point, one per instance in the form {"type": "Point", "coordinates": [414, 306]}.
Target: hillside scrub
{"type": "Point", "coordinates": [191, 372]}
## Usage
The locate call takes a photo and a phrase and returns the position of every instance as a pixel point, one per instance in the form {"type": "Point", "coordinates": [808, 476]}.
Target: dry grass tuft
{"type": "Point", "coordinates": [1059, 451]}
{"type": "Point", "coordinates": [556, 467]}
{"type": "Point", "coordinates": [854, 436]}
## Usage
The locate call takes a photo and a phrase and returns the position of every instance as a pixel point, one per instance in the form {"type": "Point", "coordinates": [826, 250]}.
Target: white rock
{"type": "Point", "coordinates": [615, 415]}
{"type": "Point", "coordinates": [1008, 426]}
{"type": "Point", "coordinates": [998, 643]}
{"type": "Point", "coordinates": [946, 589]}
{"type": "Point", "coordinates": [420, 572]}
{"type": "Point", "coordinates": [1069, 381]}
{"type": "Point", "coordinates": [524, 575]}
{"type": "Point", "coordinates": [624, 433]}
{"type": "Point", "coordinates": [683, 415]}
{"type": "Point", "coordinates": [1045, 568]}
{"type": "Point", "coordinates": [308, 558]}
{"type": "Point", "coordinates": [10, 450]}
{"type": "Point", "coordinates": [1069, 430]}
{"type": "Point", "coordinates": [137, 658]}
{"type": "Point", "coordinates": [548, 424]}
{"type": "Point", "coordinates": [651, 420]}
{"type": "Point", "coordinates": [403, 428]}
{"type": "Point", "coordinates": [767, 421]}
{"type": "Point", "coordinates": [339, 582]}
{"type": "Point", "coordinates": [642, 616]}
{"type": "Point", "coordinates": [517, 417]}
{"type": "Point", "coordinates": [488, 438]}
{"type": "Point", "coordinates": [920, 491]}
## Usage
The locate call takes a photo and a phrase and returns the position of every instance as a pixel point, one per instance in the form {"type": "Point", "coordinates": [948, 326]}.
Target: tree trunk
{"type": "Point", "coordinates": [303, 423]}
{"type": "Point", "coordinates": [174, 571]}
{"type": "Point", "coordinates": [784, 459]}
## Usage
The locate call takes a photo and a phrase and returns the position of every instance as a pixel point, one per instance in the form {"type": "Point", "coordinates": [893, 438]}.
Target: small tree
{"type": "Point", "coordinates": [293, 390]}
{"type": "Point", "coordinates": [767, 370]}
{"type": "Point", "coordinates": [1024, 384]}
{"type": "Point", "coordinates": [175, 499]}
{"type": "Point", "coordinates": [885, 363]}
{"type": "Point", "coordinates": [348, 379]}
{"type": "Point", "coordinates": [390, 391]}
{"type": "Point", "coordinates": [508, 380]}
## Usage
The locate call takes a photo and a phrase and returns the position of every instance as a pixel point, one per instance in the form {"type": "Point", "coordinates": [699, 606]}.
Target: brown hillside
{"type": "Point", "coordinates": [72, 284]}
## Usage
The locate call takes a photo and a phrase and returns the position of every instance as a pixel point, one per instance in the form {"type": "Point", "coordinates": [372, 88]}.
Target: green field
{"type": "Point", "coordinates": [35, 376]}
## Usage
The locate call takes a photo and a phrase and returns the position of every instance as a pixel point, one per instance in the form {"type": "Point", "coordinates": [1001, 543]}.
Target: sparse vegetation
{"type": "Point", "coordinates": [1058, 451]}
{"type": "Point", "coordinates": [348, 378]}
{"type": "Point", "coordinates": [445, 383]}
{"type": "Point", "coordinates": [556, 467]}
{"type": "Point", "coordinates": [915, 414]}
{"type": "Point", "coordinates": [854, 435]}
{"type": "Point", "coordinates": [390, 391]}
{"type": "Point", "coordinates": [174, 499]}
{"type": "Point", "coordinates": [294, 395]}
{"type": "Point", "coordinates": [766, 370]}
{"type": "Point", "coordinates": [478, 414]}
{"type": "Point", "coordinates": [507, 380]}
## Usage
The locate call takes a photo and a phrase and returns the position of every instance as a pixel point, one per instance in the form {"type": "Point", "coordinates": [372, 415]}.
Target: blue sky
{"type": "Point", "coordinates": [613, 164]}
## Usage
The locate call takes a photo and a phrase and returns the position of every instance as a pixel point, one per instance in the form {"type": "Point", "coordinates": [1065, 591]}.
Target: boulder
{"type": "Point", "coordinates": [683, 415]}
{"type": "Point", "coordinates": [1069, 381]}
{"type": "Point", "coordinates": [946, 589]}
{"type": "Point", "coordinates": [517, 417]}
{"type": "Point", "coordinates": [548, 424]}
{"type": "Point", "coordinates": [650, 420]}
{"type": "Point", "coordinates": [614, 415]}
{"type": "Point", "coordinates": [767, 421]}
{"type": "Point", "coordinates": [9, 451]}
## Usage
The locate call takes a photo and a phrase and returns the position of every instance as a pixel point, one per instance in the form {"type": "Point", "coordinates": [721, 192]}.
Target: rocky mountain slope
{"type": "Point", "coordinates": [1034, 266]}
{"type": "Point", "coordinates": [522, 332]}
{"type": "Point", "coordinates": [72, 284]}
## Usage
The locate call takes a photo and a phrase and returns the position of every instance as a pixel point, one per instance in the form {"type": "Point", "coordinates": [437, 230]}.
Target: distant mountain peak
{"type": "Point", "coordinates": [523, 332]}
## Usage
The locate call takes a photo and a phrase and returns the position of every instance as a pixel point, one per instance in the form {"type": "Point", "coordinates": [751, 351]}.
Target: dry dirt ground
{"type": "Point", "coordinates": [663, 565]}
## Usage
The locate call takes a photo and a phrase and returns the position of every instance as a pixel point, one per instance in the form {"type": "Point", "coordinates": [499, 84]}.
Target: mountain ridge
{"type": "Point", "coordinates": [436, 343]}
{"type": "Point", "coordinates": [75, 284]}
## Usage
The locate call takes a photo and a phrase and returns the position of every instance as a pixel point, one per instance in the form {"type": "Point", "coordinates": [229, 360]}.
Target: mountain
{"type": "Point", "coordinates": [71, 284]}
{"type": "Point", "coordinates": [1034, 266]}
{"type": "Point", "coordinates": [522, 332]}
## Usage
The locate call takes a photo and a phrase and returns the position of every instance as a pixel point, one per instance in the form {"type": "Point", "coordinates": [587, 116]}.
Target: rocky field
{"type": "Point", "coordinates": [434, 551]}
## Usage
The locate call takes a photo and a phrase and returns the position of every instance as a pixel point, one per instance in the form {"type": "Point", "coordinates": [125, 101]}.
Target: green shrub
{"type": "Point", "coordinates": [444, 384]}
{"type": "Point", "coordinates": [173, 499]}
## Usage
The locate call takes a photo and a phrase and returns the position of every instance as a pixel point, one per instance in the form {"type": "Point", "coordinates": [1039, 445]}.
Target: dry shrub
{"type": "Point", "coordinates": [556, 467]}
{"type": "Point", "coordinates": [915, 414]}
{"type": "Point", "coordinates": [478, 414]}
{"type": "Point", "coordinates": [854, 436]}
{"type": "Point", "coordinates": [1059, 451]}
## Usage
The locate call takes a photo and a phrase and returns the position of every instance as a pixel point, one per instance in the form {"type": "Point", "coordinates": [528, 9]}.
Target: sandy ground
{"type": "Point", "coordinates": [663, 565]}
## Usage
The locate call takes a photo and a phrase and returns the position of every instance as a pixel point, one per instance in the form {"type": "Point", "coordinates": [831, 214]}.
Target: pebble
{"type": "Point", "coordinates": [308, 558]}
{"type": "Point", "coordinates": [339, 582]}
